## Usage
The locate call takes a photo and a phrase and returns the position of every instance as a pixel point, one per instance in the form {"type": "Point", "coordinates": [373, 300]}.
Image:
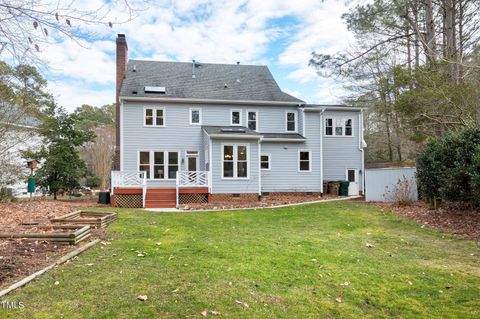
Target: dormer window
{"type": "Point", "coordinates": [291, 121]}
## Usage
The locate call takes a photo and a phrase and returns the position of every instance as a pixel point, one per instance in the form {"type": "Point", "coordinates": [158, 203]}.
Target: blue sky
{"type": "Point", "coordinates": [280, 34]}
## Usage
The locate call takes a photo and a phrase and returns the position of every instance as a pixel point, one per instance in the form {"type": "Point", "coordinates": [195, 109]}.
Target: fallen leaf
{"type": "Point", "coordinates": [142, 297]}
{"type": "Point", "coordinates": [56, 283]}
{"type": "Point", "coordinates": [158, 243]}
{"type": "Point", "coordinates": [176, 290]}
{"type": "Point", "coordinates": [140, 255]}
{"type": "Point", "coordinates": [369, 245]}
{"type": "Point", "coordinates": [339, 299]}
{"type": "Point", "coordinates": [204, 313]}
{"type": "Point", "coordinates": [215, 313]}
{"type": "Point", "coordinates": [244, 304]}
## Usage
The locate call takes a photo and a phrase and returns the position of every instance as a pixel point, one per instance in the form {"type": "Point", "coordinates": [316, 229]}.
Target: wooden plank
{"type": "Point", "coordinates": [193, 190]}
{"type": "Point", "coordinates": [126, 191]}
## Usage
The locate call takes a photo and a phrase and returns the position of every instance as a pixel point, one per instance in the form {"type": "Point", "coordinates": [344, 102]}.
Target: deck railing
{"type": "Point", "coordinates": [192, 179]}
{"type": "Point", "coordinates": [130, 179]}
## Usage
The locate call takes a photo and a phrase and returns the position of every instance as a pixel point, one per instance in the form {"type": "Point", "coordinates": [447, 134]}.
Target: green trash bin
{"type": "Point", "coordinates": [344, 188]}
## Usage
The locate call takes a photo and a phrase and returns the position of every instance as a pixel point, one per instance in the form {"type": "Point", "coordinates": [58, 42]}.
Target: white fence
{"type": "Point", "coordinates": [379, 180]}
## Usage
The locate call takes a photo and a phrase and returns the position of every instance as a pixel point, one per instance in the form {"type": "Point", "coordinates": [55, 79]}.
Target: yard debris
{"type": "Point", "coordinates": [176, 290]}
{"type": "Point", "coordinates": [314, 260]}
{"type": "Point", "coordinates": [204, 313]}
{"type": "Point", "coordinates": [339, 299]}
{"type": "Point", "coordinates": [370, 245]}
{"type": "Point", "coordinates": [142, 297]}
{"type": "Point", "coordinates": [56, 283]}
{"type": "Point", "coordinates": [244, 304]}
{"type": "Point", "coordinates": [215, 313]}
{"type": "Point", "coordinates": [410, 283]}
{"type": "Point", "coordinates": [140, 255]}
{"type": "Point", "coordinates": [346, 283]}
{"type": "Point", "coordinates": [158, 243]}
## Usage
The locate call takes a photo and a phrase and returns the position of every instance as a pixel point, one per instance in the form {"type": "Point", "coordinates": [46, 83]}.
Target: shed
{"type": "Point", "coordinates": [379, 181]}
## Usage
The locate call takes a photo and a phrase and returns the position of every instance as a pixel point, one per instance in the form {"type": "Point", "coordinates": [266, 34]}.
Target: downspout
{"type": "Point", "coordinates": [360, 147]}
{"type": "Point", "coordinates": [321, 151]}
{"type": "Point", "coordinates": [210, 166]}
{"type": "Point", "coordinates": [259, 168]}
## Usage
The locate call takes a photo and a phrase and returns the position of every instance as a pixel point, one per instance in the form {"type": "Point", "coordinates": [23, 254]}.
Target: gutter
{"type": "Point", "coordinates": [273, 140]}
{"type": "Point", "coordinates": [334, 108]}
{"type": "Point", "coordinates": [360, 147]}
{"type": "Point", "coordinates": [206, 101]}
{"type": "Point", "coordinates": [321, 150]}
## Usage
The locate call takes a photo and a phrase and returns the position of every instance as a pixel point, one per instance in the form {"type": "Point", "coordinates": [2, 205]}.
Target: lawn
{"type": "Point", "coordinates": [289, 262]}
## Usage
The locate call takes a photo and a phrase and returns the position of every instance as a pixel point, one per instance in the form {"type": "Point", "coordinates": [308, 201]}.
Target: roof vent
{"type": "Point", "coordinates": [225, 86]}
{"type": "Point", "coordinates": [134, 92]}
{"type": "Point", "coordinates": [134, 68]}
{"type": "Point", "coordinates": [155, 89]}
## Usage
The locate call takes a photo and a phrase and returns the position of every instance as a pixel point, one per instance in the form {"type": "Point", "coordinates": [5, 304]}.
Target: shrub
{"type": "Point", "coordinates": [402, 193]}
{"type": "Point", "coordinates": [449, 167]}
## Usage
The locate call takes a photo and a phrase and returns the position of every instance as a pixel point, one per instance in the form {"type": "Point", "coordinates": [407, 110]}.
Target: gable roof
{"type": "Point", "coordinates": [211, 82]}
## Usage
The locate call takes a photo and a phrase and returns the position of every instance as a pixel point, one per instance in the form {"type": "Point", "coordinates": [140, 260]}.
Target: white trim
{"type": "Point", "coordinates": [273, 140]}
{"type": "Point", "coordinates": [321, 151]}
{"type": "Point", "coordinates": [360, 137]}
{"type": "Point", "coordinates": [304, 128]}
{"type": "Point", "coordinates": [269, 161]}
{"type": "Point", "coordinates": [154, 115]}
{"type": "Point", "coordinates": [295, 112]}
{"type": "Point", "coordinates": [195, 155]}
{"type": "Point", "coordinates": [240, 117]}
{"type": "Point", "coordinates": [121, 136]}
{"type": "Point", "coordinates": [333, 108]}
{"type": "Point", "coordinates": [334, 126]}
{"type": "Point", "coordinates": [165, 162]}
{"type": "Point", "coordinates": [207, 101]}
{"type": "Point", "coordinates": [235, 161]}
{"type": "Point", "coordinates": [190, 115]}
{"type": "Point", "coordinates": [310, 161]}
{"type": "Point", "coordinates": [210, 164]}
{"type": "Point", "coordinates": [256, 119]}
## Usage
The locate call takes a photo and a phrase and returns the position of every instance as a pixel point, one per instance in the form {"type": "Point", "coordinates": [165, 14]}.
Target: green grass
{"type": "Point", "coordinates": [284, 263]}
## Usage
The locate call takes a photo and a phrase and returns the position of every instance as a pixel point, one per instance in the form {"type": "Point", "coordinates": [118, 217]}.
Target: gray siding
{"type": "Point", "coordinates": [342, 153]}
{"type": "Point", "coordinates": [379, 180]}
{"type": "Point", "coordinates": [284, 175]}
{"type": "Point", "coordinates": [228, 185]}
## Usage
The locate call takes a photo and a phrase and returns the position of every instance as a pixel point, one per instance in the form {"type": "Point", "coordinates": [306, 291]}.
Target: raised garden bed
{"type": "Point", "coordinates": [62, 234]}
{"type": "Point", "coordinates": [85, 217]}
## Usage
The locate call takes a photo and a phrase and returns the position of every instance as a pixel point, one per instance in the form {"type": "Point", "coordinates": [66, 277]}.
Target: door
{"type": "Point", "coordinates": [352, 177]}
{"type": "Point", "coordinates": [192, 166]}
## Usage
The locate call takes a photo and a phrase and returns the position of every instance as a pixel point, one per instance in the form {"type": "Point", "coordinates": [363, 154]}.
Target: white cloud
{"type": "Point", "coordinates": [214, 31]}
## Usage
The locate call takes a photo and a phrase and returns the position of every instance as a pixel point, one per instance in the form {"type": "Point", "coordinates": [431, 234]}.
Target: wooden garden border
{"type": "Point", "coordinates": [78, 233]}
{"type": "Point", "coordinates": [85, 217]}
{"type": "Point", "coordinates": [60, 261]}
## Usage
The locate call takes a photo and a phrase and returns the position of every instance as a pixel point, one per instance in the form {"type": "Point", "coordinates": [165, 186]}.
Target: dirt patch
{"type": "Point", "coordinates": [20, 258]}
{"type": "Point", "coordinates": [266, 201]}
{"type": "Point", "coordinates": [461, 222]}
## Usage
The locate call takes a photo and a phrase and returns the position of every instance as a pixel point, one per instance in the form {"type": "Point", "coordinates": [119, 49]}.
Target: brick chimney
{"type": "Point", "coordinates": [122, 58]}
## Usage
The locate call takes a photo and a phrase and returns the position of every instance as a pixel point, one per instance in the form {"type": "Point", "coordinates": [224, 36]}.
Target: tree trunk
{"type": "Point", "coordinates": [417, 41]}
{"type": "Point", "coordinates": [431, 43]}
{"type": "Point", "coordinates": [450, 50]}
{"type": "Point", "coordinates": [55, 195]}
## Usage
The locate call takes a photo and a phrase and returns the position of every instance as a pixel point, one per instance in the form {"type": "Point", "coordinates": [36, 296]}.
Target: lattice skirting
{"type": "Point", "coordinates": [128, 200]}
{"type": "Point", "coordinates": [192, 198]}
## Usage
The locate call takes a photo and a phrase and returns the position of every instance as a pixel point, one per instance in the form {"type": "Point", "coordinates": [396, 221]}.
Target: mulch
{"type": "Point", "coordinates": [266, 201]}
{"type": "Point", "coordinates": [459, 221]}
{"type": "Point", "coordinates": [20, 258]}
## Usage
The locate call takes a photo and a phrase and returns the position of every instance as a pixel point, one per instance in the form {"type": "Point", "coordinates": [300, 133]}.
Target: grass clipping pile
{"type": "Point", "coordinates": [20, 257]}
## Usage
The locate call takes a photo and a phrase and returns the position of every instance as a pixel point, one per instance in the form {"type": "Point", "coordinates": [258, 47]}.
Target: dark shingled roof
{"type": "Point", "coordinates": [295, 136]}
{"type": "Point", "coordinates": [229, 130]}
{"type": "Point", "coordinates": [243, 82]}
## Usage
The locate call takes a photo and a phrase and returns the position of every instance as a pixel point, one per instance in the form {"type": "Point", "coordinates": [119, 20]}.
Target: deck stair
{"type": "Point", "coordinates": [160, 198]}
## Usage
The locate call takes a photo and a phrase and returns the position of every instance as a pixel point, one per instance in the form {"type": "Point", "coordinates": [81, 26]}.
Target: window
{"type": "Point", "coordinates": [304, 161]}
{"type": "Point", "coordinates": [291, 122]}
{"type": "Point", "coordinates": [338, 127]}
{"type": "Point", "coordinates": [236, 117]}
{"type": "Point", "coordinates": [348, 127]}
{"type": "Point", "coordinates": [154, 117]}
{"type": "Point", "coordinates": [235, 161]}
{"type": "Point", "coordinates": [265, 161]}
{"type": "Point", "coordinates": [195, 116]}
{"type": "Point", "coordinates": [144, 163]}
{"type": "Point", "coordinates": [352, 175]}
{"type": "Point", "coordinates": [159, 164]}
{"type": "Point", "coordinates": [328, 126]}
{"type": "Point", "coordinates": [252, 120]}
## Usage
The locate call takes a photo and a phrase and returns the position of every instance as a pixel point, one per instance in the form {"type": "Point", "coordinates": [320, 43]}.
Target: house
{"type": "Point", "coordinates": [200, 131]}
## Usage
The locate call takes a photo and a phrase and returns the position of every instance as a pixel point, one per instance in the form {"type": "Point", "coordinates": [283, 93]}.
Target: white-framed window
{"type": "Point", "coordinates": [154, 116]}
{"type": "Point", "coordinates": [144, 162]}
{"type": "Point", "coordinates": [338, 127]}
{"type": "Point", "coordinates": [291, 121]}
{"type": "Point", "coordinates": [235, 161]}
{"type": "Point", "coordinates": [195, 116]}
{"type": "Point", "coordinates": [252, 120]}
{"type": "Point", "coordinates": [236, 117]}
{"type": "Point", "coordinates": [329, 127]}
{"type": "Point", "coordinates": [159, 164]}
{"type": "Point", "coordinates": [265, 162]}
{"type": "Point", "coordinates": [351, 175]}
{"type": "Point", "coordinates": [304, 161]}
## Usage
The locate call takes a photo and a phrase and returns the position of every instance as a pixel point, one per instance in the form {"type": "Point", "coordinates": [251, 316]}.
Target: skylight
{"type": "Point", "coordinates": [155, 89]}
